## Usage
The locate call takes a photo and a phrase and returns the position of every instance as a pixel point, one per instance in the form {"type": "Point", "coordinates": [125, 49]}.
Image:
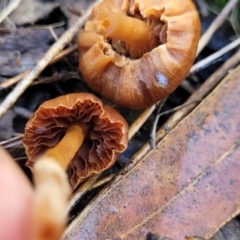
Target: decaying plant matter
{"type": "Point", "coordinates": [136, 53]}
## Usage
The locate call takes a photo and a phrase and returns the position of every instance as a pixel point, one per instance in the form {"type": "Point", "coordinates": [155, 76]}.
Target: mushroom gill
{"type": "Point", "coordinates": [104, 129]}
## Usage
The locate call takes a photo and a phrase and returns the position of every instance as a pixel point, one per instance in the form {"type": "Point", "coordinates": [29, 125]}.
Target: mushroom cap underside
{"type": "Point", "coordinates": [106, 133]}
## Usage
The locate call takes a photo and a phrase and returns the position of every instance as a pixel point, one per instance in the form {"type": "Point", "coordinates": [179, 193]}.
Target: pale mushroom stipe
{"type": "Point", "coordinates": [137, 52]}
{"type": "Point", "coordinates": [68, 139]}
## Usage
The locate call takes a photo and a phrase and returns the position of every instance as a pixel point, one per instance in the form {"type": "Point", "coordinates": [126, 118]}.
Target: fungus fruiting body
{"type": "Point", "coordinates": [76, 129]}
{"type": "Point", "coordinates": [76, 134]}
{"type": "Point", "coordinates": [137, 52]}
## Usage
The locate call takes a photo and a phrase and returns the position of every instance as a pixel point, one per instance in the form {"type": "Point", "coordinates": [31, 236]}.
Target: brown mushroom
{"type": "Point", "coordinates": [137, 52]}
{"type": "Point", "coordinates": [77, 133]}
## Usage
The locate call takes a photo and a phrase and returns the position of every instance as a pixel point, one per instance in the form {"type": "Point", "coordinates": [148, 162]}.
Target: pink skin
{"type": "Point", "coordinates": [16, 199]}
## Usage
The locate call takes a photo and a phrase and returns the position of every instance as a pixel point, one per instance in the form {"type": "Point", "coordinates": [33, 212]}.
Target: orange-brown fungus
{"type": "Point", "coordinates": [136, 35]}
{"type": "Point", "coordinates": [105, 133]}
{"type": "Point", "coordinates": [137, 52]}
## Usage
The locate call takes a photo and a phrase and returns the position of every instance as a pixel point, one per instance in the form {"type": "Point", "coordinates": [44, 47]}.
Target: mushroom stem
{"type": "Point", "coordinates": [52, 187]}
{"type": "Point", "coordinates": [136, 34]}
{"type": "Point", "coordinates": [65, 150]}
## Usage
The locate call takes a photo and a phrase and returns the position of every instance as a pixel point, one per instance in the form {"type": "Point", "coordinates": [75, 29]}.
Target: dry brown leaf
{"type": "Point", "coordinates": [29, 11]}
{"type": "Point", "coordinates": [68, 6]}
{"type": "Point", "coordinates": [6, 125]}
{"type": "Point", "coordinates": [188, 186]}
{"type": "Point", "coordinates": [21, 50]}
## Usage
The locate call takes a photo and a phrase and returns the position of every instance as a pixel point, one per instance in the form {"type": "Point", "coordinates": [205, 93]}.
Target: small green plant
{"type": "Point", "coordinates": [219, 3]}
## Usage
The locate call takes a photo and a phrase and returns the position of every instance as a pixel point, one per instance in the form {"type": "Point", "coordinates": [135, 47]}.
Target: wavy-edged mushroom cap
{"type": "Point", "coordinates": [105, 133]}
{"type": "Point", "coordinates": [137, 52]}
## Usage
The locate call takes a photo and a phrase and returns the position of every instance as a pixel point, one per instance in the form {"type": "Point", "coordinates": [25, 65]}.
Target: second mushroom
{"type": "Point", "coordinates": [137, 52]}
{"type": "Point", "coordinates": [75, 133]}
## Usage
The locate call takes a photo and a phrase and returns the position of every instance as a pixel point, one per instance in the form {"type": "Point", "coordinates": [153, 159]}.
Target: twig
{"type": "Point", "coordinates": [206, 61]}
{"type": "Point", "coordinates": [12, 142]}
{"type": "Point", "coordinates": [216, 24]}
{"type": "Point", "coordinates": [185, 84]}
{"type": "Point", "coordinates": [80, 192]}
{"type": "Point", "coordinates": [64, 53]}
{"type": "Point", "coordinates": [140, 121]}
{"type": "Point", "coordinates": [9, 82]}
{"type": "Point", "coordinates": [102, 181]}
{"type": "Point", "coordinates": [18, 159]}
{"type": "Point", "coordinates": [234, 21]}
{"type": "Point", "coordinates": [47, 58]}
{"type": "Point", "coordinates": [53, 25]}
{"type": "Point", "coordinates": [154, 129]}
{"type": "Point", "coordinates": [23, 112]}
{"type": "Point", "coordinates": [54, 35]}
{"type": "Point", "coordinates": [10, 7]}
{"type": "Point", "coordinates": [203, 7]}
{"type": "Point", "coordinates": [56, 77]}
{"type": "Point", "coordinates": [74, 11]}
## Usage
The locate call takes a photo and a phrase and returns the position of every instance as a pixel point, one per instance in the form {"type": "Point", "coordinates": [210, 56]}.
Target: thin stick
{"type": "Point", "coordinates": [154, 129]}
{"type": "Point", "coordinates": [53, 25]}
{"type": "Point", "coordinates": [7, 10]}
{"type": "Point", "coordinates": [187, 86]}
{"type": "Point", "coordinates": [201, 64]}
{"type": "Point", "coordinates": [140, 121]}
{"type": "Point", "coordinates": [206, 61]}
{"type": "Point", "coordinates": [153, 133]}
{"type": "Point", "coordinates": [9, 82]}
{"type": "Point", "coordinates": [64, 53]}
{"type": "Point", "coordinates": [79, 193]}
{"type": "Point", "coordinates": [102, 181]}
{"type": "Point", "coordinates": [203, 7]}
{"type": "Point", "coordinates": [234, 21]}
{"type": "Point", "coordinates": [47, 58]}
{"type": "Point", "coordinates": [216, 24]}
{"type": "Point", "coordinates": [12, 142]}
{"type": "Point", "coordinates": [23, 112]}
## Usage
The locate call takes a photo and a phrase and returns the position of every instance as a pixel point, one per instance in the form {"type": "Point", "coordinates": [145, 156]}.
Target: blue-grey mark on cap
{"type": "Point", "coordinates": [40, 130]}
{"type": "Point", "coordinates": [162, 79]}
